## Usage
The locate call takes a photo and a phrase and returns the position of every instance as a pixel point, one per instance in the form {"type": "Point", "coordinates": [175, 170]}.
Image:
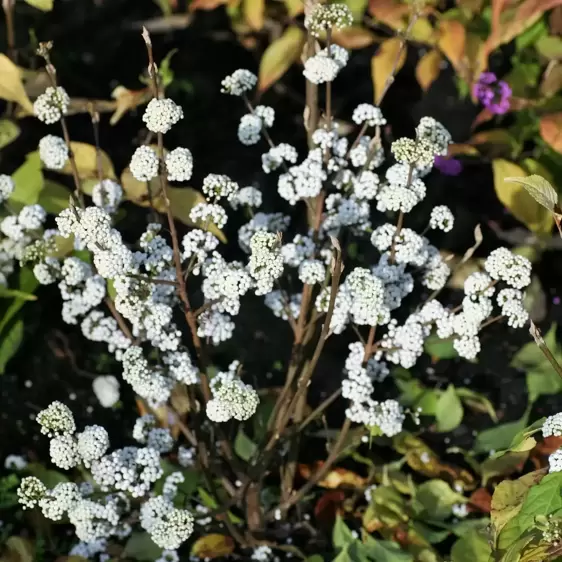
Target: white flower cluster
{"type": "Point", "coordinates": [231, 397]}
{"type": "Point", "coordinates": [552, 426]}
{"type": "Point", "coordinates": [161, 115]}
{"type": "Point", "coordinates": [325, 17]}
{"type": "Point", "coordinates": [266, 261]}
{"type": "Point", "coordinates": [239, 82]}
{"type": "Point", "coordinates": [252, 124]}
{"type": "Point", "coordinates": [168, 526]}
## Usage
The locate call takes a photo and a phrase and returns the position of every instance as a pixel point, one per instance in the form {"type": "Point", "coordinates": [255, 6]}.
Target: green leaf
{"type": "Point", "coordinates": [531, 35]}
{"type": "Point", "coordinates": [6, 293]}
{"type": "Point", "coordinates": [49, 477]}
{"type": "Point", "coordinates": [261, 418]}
{"type": "Point", "coordinates": [477, 402]}
{"type": "Point", "coordinates": [441, 349]}
{"type": "Point", "coordinates": [141, 547]}
{"type": "Point", "coordinates": [499, 437]}
{"type": "Point", "coordinates": [9, 132]}
{"type": "Point", "coordinates": [437, 498]}
{"type": "Point", "coordinates": [541, 383]}
{"type": "Point", "coordinates": [10, 343]}
{"type": "Point", "coordinates": [315, 558]}
{"type": "Point", "coordinates": [43, 5]}
{"type": "Point", "coordinates": [539, 189]}
{"type": "Point", "coordinates": [341, 534]}
{"type": "Point", "coordinates": [28, 180]}
{"type": "Point", "coordinates": [244, 447]}
{"type": "Point", "coordinates": [279, 56]}
{"type": "Point", "coordinates": [504, 465]}
{"type": "Point", "coordinates": [550, 47]}
{"type": "Point", "coordinates": [27, 284]}
{"type": "Point", "coordinates": [530, 357]}
{"type": "Point", "coordinates": [473, 547]}
{"type": "Point", "coordinates": [385, 551]}
{"type": "Point", "coordinates": [449, 411]}
{"type": "Point", "coordinates": [54, 197]}
{"type": "Point", "coordinates": [543, 499]}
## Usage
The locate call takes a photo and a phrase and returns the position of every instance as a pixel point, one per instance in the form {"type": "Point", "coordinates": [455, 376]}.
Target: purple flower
{"type": "Point", "coordinates": [448, 166]}
{"type": "Point", "coordinates": [492, 93]}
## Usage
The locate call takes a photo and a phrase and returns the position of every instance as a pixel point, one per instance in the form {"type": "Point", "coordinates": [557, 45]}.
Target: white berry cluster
{"type": "Point", "coordinates": [232, 398]}
{"type": "Point", "coordinates": [53, 152]}
{"type": "Point", "coordinates": [266, 261]}
{"type": "Point", "coordinates": [50, 106]}
{"type": "Point", "coordinates": [441, 218]}
{"type": "Point", "coordinates": [325, 65]}
{"type": "Point", "coordinates": [239, 82]}
{"type": "Point", "coordinates": [144, 164]}
{"type": "Point", "coordinates": [107, 195]}
{"type": "Point", "coordinates": [179, 164]}
{"type": "Point", "coordinates": [552, 426]}
{"type": "Point", "coordinates": [161, 115]}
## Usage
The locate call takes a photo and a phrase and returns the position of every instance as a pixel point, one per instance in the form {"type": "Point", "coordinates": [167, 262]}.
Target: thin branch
{"type": "Point", "coordinates": [539, 340]}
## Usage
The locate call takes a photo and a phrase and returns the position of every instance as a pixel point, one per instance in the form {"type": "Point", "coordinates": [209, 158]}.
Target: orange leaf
{"type": "Point", "coordinates": [481, 499]}
{"type": "Point", "coordinates": [389, 58]}
{"type": "Point", "coordinates": [213, 546]}
{"type": "Point", "coordinates": [428, 68]}
{"type": "Point", "coordinates": [389, 12]}
{"type": "Point", "coordinates": [354, 37]}
{"type": "Point", "coordinates": [452, 42]}
{"type": "Point", "coordinates": [206, 4]}
{"type": "Point", "coordinates": [279, 56]}
{"type": "Point", "coordinates": [482, 117]}
{"type": "Point", "coordinates": [551, 130]}
{"type": "Point", "coordinates": [548, 445]}
{"type": "Point", "coordinates": [335, 478]}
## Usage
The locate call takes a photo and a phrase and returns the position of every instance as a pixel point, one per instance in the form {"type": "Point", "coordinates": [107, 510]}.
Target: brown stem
{"type": "Point", "coordinates": [369, 345]}
{"type": "Point", "coordinates": [317, 476]}
{"type": "Point", "coordinates": [319, 409]}
{"type": "Point", "coordinates": [96, 127]}
{"type": "Point", "coordinates": [311, 112]}
{"type": "Point", "coordinates": [118, 318]}
{"type": "Point", "coordinates": [399, 226]}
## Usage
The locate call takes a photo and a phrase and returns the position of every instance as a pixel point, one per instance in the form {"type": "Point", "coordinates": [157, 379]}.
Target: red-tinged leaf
{"type": "Point", "coordinates": [213, 546]}
{"type": "Point", "coordinates": [548, 445]}
{"type": "Point", "coordinates": [484, 116]}
{"type": "Point", "coordinates": [279, 56]}
{"type": "Point", "coordinates": [480, 500]}
{"type": "Point", "coordinates": [551, 130]}
{"type": "Point", "coordinates": [428, 68]}
{"type": "Point", "coordinates": [328, 506]}
{"type": "Point", "coordinates": [389, 12]}
{"type": "Point", "coordinates": [452, 42]}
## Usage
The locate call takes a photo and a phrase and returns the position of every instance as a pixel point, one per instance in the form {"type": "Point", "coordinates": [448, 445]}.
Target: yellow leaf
{"type": "Point", "coordinates": [514, 196]}
{"type": "Point", "coordinates": [384, 62]}
{"type": "Point", "coordinates": [182, 200]}
{"type": "Point", "coordinates": [551, 130]}
{"type": "Point", "coordinates": [28, 180]}
{"type": "Point", "coordinates": [43, 5]}
{"type": "Point", "coordinates": [279, 56]}
{"type": "Point", "coordinates": [127, 100]}
{"type": "Point", "coordinates": [11, 85]}
{"type": "Point", "coordinates": [86, 162]}
{"type": "Point", "coordinates": [389, 12]}
{"type": "Point", "coordinates": [18, 550]}
{"type": "Point", "coordinates": [423, 32]}
{"type": "Point", "coordinates": [428, 68]}
{"type": "Point", "coordinates": [452, 41]}
{"type": "Point", "coordinates": [9, 132]}
{"type": "Point", "coordinates": [212, 546]}
{"type": "Point", "coordinates": [253, 13]}
{"type": "Point", "coordinates": [357, 8]}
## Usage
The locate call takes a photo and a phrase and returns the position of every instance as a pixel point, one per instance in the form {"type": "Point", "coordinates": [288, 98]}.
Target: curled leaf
{"type": "Point", "coordinates": [533, 215]}
{"type": "Point", "coordinates": [539, 189]}
{"type": "Point", "coordinates": [127, 100]}
{"type": "Point", "coordinates": [279, 56]}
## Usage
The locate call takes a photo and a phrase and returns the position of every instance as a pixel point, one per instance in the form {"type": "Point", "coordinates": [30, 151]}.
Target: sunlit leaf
{"type": "Point", "coordinates": [451, 42]}
{"type": "Point", "coordinates": [449, 411]}
{"type": "Point", "coordinates": [127, 100]}
{"type": "Point", "coordinates": [279, 56]}
{"type": "Point", "coordinates": [11, 85]}
{"type": "Point", "coordinates": [550, 47]}
{"type": "Point", "coordinates": [428, 68]}
{"type": "Point", "coordinates": [9, 132]}
{"type": "Point", "coordinates": [437, 499]}
{"type": "Point", "coordinates": [212, 546]}
{"type": "Point", "coordinates": [254, 11]}
{"type": "Point", "coordinates": [19, 549]}
{"type": "Point", "coordinates": [357, 8]}
{"type": "Point", "coordinates": [28, 180]}
{"type": "Point", "coordinates": [499, 437]}
{"type": "Point", "coordinates": [534, 216]}
{"type": "Point", "coordinates": [390, 57]}
{"type": "Point", "coordinates": [294, 7]}
{"type": "Point", "coordinates": [43, 5]}
{"type": "Point", "coordinates": [354, 37]}
{"type": "Point", "coordinates": [539, 189]}
{"type": "Point", "coordinates": [505, 465]}
{"type": "Point", "coordinates": [86, 162]}
{"type": "Point", "coordinates": [389, 12]}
